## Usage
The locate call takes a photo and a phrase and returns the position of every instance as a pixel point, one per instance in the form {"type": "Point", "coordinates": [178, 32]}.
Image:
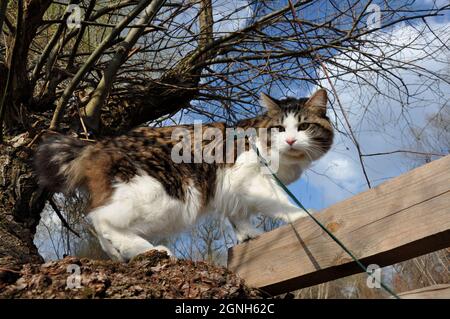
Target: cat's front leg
{"type": "Point", "coordinates": [244, 229]}
{"type": "Point", "coordinates": [281, 208]}
{"type": "Point", "coordinates": [289, 213]}
{"type": "Point", "coordinates": [271, 200]}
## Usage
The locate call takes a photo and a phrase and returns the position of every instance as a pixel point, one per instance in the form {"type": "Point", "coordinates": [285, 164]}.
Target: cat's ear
{"type": "Point", "coordinates": [270, 104]}
{"type": "Point", "coordinates": [318, 102]}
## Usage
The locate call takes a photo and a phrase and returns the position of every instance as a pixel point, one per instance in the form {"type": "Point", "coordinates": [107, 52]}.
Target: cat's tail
{"type": "Point", "coordinates": [59, 163]}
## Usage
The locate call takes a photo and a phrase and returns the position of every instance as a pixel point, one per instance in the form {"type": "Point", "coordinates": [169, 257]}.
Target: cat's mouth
{"type": "Point", "coordinates": [294, 153]}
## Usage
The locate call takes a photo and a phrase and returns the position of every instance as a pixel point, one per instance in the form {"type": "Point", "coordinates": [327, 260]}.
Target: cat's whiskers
{"type": "Point", "coordinates": [313, 151]}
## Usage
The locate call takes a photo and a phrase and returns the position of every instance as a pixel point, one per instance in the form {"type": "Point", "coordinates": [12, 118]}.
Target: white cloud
{"type": "Point", "coordinates": [341, 169]}
{"type": "Point", "coordinates": [383, 122]}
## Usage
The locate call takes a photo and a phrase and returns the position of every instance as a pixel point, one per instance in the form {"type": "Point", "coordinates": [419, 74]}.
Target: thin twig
{"type": "Point", "coordinates": [403, 151]}
{"type": "Point", "coordinates": [61, 217]}
{"type": "Point", "coordinates": [80, 35]}
{"type": "Point", "coordinates": [344, 114]}
{"type": "Point", "coordinates": [48, 48]}
{"type": "Point", "coordinates": [9, 270]}
{"type": "Point", "coordinates": [317, 58]}
{"type": "Point", "coordinates": [35, 138]}
{"type": "Point", "coordinates": [107, 25]}
{"type": "Point", "coordinates": [98, 97]}
{"type": "Point", "coordinates": [60, 107]}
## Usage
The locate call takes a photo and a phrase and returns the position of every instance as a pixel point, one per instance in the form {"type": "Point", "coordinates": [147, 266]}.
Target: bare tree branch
{"type": "Point", "coordinates": [92, 110]}
{"type": "Point", "coordinates": [61, 217]}
{"type": "Point", "coordinates": [56, 36]}
{"type": "Point", "coordinates": [91, 60]}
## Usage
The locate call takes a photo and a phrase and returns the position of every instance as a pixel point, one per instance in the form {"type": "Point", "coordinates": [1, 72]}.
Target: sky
{"type": "Point", "coordinates": [338, 175]}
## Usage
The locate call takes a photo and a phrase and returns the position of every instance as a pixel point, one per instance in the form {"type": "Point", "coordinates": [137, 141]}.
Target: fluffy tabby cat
{"type": "Point", "coordinates": [138, 194]}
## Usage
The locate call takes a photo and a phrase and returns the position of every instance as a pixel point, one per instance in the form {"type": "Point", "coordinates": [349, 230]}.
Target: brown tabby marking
{"type": "Point", "coordinates": [97, 167]}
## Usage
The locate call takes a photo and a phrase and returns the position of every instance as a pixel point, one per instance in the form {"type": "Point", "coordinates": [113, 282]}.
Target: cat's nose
{"type": "Point", "coordinates": [290, 141]}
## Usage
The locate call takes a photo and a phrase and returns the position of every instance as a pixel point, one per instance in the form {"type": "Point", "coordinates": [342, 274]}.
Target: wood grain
{"type": "Point", "coordinates": [431, 292]}
{"type": "Point", "coordinates": [403, 218]}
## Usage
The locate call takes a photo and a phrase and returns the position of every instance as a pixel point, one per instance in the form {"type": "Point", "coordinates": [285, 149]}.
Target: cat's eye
{"type": "Point", "coordinates": [280, 128]}
{"type": "Point", "coordinates": [303, 126]}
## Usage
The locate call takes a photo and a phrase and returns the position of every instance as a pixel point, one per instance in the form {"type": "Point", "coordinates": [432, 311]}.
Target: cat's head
{"type": "Point", "coordinates": [302, 127]}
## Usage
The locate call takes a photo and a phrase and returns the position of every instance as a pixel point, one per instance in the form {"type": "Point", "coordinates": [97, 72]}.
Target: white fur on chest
{"type": "Point", "coordinates": [237, 185]}
{"type": "Point", "coordinates": [289, 172]}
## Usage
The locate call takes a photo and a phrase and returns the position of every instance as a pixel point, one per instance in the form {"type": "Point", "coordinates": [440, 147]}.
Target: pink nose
{"type": "Point", "coordinates": [291, 141]}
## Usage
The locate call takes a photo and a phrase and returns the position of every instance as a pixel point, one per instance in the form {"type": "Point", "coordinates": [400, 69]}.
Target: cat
{"type": "Point", "coordinates": [138, 193]}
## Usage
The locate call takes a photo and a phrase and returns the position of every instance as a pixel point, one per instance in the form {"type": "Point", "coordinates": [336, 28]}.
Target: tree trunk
{"type": "Point", "coordinates": [21, 202]}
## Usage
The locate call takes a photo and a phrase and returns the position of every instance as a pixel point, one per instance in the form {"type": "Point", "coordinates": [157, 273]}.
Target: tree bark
{"type": "Point", "coordinates": [20, 92]}
{"type": "Point", "coordinates": [21, 202]}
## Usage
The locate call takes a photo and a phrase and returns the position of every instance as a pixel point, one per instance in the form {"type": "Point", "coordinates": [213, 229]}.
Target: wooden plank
{"type": "Point", "coordinates": [431, 292]}
{"type": "Point", "coordinates": [403, 218]}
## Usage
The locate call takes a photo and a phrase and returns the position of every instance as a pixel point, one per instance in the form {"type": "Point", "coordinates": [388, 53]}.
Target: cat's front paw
{"type": "Point", "coordinates": [249, 234]}
{"type": "Point", "coordinates": [291, 217]}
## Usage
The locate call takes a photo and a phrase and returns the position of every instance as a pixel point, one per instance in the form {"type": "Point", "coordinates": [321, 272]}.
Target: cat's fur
{"type": "Point", "coordinates": [137, 193]}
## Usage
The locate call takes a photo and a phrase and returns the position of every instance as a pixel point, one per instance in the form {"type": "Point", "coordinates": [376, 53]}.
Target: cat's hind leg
{"type": "Point", "coordinates": [141, 210]}
{"type": "Point", "coordinates": [121, 243]}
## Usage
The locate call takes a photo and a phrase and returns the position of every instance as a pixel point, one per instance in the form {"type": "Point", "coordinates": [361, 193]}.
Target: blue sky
{"type": "Point", "coordinates": [389, 126]}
